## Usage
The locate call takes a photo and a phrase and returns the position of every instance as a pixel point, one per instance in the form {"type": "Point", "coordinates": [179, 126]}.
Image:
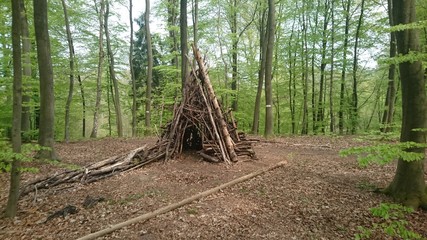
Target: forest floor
{"type": "Point", "coordinates": [316, 195]}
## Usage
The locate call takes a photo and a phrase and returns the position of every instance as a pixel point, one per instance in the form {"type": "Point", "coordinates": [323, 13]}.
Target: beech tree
{"type": "Point", "coordinates": [271, 28]}
{"type": "Point", "coordinates": [71, 60]}
{"type": "Point", "coordinates": [112, 71]}
{"type": "Point", "coordinates": [184, 36]}
{"type": "Point", "coordinates": [408, 185]}
{"type": "Point", "coordinates": [15, 174]}
{"type": "Point", "coordinates": [149, 67]}
{"type": "Point", "coordinates": [96, 113]}
{"type": "Point", "coordinates": [44, 60]}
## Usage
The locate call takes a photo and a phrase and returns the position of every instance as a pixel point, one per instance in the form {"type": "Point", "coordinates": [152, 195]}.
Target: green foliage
{"type": "Point", "coordinates": [7, 155]}
{"type": "Point", "coordinates": [385, 153]}
{"type": "Point", "coordinates": [392, 223]}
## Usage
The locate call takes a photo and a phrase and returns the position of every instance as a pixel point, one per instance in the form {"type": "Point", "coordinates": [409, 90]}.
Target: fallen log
{"type": "Point", "coordinates": [179, 204]}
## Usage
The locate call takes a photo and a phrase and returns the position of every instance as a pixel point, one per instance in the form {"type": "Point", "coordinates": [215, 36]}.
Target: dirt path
{"type": "Point", "coordinates": [317, 195]}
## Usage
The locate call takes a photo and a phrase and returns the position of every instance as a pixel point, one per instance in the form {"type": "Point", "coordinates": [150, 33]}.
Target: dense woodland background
{"type": "Point", "coordinates": [332, 69]}
{"type": "Point", "coordinates": [78, 69]}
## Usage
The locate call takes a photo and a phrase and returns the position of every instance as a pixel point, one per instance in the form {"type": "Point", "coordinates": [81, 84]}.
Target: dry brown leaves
{"type": "Point", "coordinates": [317, 195]}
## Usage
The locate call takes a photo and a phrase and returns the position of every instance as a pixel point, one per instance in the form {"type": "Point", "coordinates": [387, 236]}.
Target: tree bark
{"type": "Point", "coordinates": [115, 93]}
{"type": "Point", "coordinates": [82, 94]}
{"type": "Point", "coordinates": [47, 108]}
{"type": "Point", "coordinates": [320, 106]}
{"type": "Point", "coordinates": [387, 118]}
{"type": "Point", "coordinates": [292, 79]}
{"type": "Point", "coordinates": [354, 97]}
{"type": "Point", "coordinates": [96, 113]}
{"type": "Point", "coordinates": [234, 44]}
{"type": "Point", "coordinates": [304, 63]}
{"type": "Point", "coordinates": [149, 66]}
{"type": "Point", "coordinates": [184, 47]}
{"type": "Point", "coordinates": [331, 77]}
{"type": "Point", "coordinates": [26, 52]}
{"type": "Point", "coordinates": [271, 27]}
{"type": "Point", "coordinates": [71, 85]}
{"type": "Point", "coordinates": [344, 68]}
{"type": "Point", "coordinates": [15, 174]}
{"type": "Point", "coordinates": [261, 72]}
{"type": "Point", "coordinates": [408, 185]}
{"type": "Point", "coordinates": [132, 74]}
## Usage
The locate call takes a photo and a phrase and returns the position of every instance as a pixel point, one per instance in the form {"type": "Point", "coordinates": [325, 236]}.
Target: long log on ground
{"type": "Point", "coordinates": [173, 206]}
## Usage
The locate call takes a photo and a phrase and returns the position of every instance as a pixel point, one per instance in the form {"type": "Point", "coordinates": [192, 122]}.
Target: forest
{"type": "Point", "coordinates": [290, 73]}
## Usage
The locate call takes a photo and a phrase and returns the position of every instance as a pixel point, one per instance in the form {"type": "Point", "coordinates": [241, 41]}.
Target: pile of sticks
{"type": "Point", "coordinates": [198, 123]}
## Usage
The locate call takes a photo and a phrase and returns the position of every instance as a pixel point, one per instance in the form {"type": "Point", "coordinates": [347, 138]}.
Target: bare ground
{"type": "Point", "coordinates": [316, 195]}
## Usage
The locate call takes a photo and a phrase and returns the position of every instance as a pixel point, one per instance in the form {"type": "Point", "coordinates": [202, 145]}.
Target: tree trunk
{"type": "Point", "coordinates": [195, 25]}
{"type": "Point", "coordinates": [344, 69]}
{"type": "Point", "coordinates": [304, 63]}
{"type": "Point", "coordinates": [115, 95]}
{"type": "Point", "coordinates": [313, 31]}
{"type": "Point", "coordinates": [82, 93]}
{"type": "Point", "coordinates": [71, 86]}
{"type": "Point", "coordinates": [132, 74]}
{"type": "Point", "coordinates": [97, 111]}
{"type": "Point", "coordinates": [387, 118]}
{"type": "Point", "coordinates": [354, 100]}
{"type": "Point", "coordinates": [331, 78]}
{"type": "Point", "coordinates": [47, 109]}
{"type": "Point", "coordinates": [320, 106]}
{"type": "Point", "coordinates": [408, 185]}
{"type": "Point", "coordinates": [261, 71]}
{"type": "Point", "coordinates": [26, 52]}
{"type": "Point", "coordinates": [271, 27]}
{"type": "Point", "coordinates": [234, 43]}
{"type": "Point", "coordinates": [184, 46]}
{"type": "Point", "coordinates": [149, 67]}
{"type": "Point", "coordinates": [15, 176]}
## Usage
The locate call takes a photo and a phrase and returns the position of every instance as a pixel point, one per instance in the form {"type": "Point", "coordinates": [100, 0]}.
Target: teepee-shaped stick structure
{"type": "Point", "coordinates": [198, 123]}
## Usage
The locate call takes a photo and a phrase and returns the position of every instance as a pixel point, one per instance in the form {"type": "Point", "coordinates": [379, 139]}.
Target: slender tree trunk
{"type": "Point", "coordinates": [97, 111]}
{"type": "Point", "coordinates": [344, 68]}
{"type": "Point", "coordinates": [47, 109]}
{"type": "Point", "coordinates": [261, 72]}
{"type": "Point", "coordinates": [313, 76]}
{"type": "Point", "coordinates": [150, 66]}
{"type": "Point", "coordinates": [331, 78]}
{"type": "Point", "coordinates": [304, 62]}
{"type": "Point", "coordinates": [408, 185]}
{"type": "Point", "coordinates": [184, 46]}
{"type": "Point", "coordinates": [132, 74]}
{"type": "Point", "coordinates": [27, 72]}
{"type": "Point", "coordinates": [234, 44]}
{"type": "Point", "coordinates": [387, 118]}
{"type": "Point", "coordinates": [109, 99]}
{"type": "Point", "coordinates": [115, 94]}
{"type": "Point", "coordinates": [195, 25]}
{"type": "Point", "coordinates": [82, 94]}
{"type": "Point", "coordinates": [271, 27]}
{"type": "Point", "coordinates": [291, 71]}
{"type": "Point", "coordinates": [71, 85]}
{"type": "Point", "coordinates": [15, 174]}
{"type": "Point", "coordinates": [354, 107]}
{"type": "Point", "coordinates": [321, 107]}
